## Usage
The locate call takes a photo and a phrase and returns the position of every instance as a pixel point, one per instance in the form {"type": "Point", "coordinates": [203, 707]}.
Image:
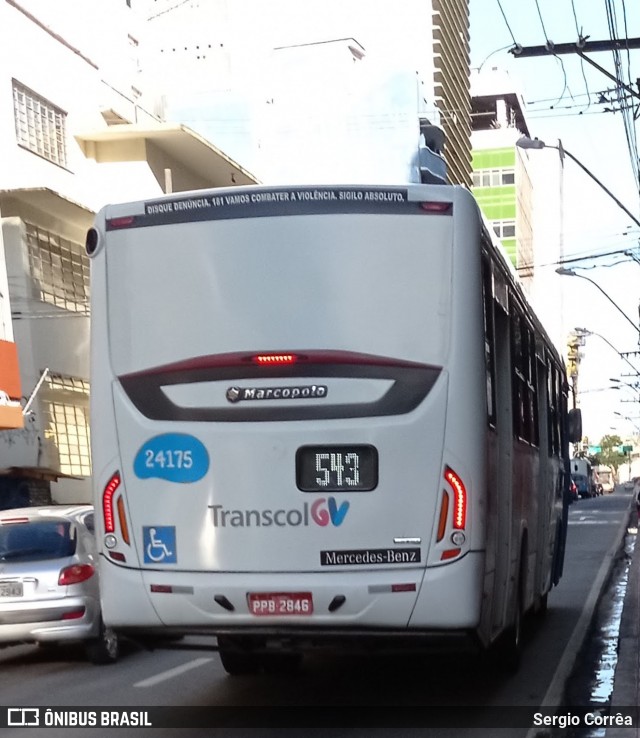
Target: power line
{"type": "Point", "coordinates": [484, 61]}
{"type": "Point", "coordinates": [571, 115]}
{"type": "Point", "coordinates": [516, 44]}
{"type": "Point", "coordinates": [544, 30]}
{"type": "Point", "coordinates": [628, 121]}
{"type": "Point", "coordinates": [581, 39]}
{"type": "Point", "coordinates": [572, 260]}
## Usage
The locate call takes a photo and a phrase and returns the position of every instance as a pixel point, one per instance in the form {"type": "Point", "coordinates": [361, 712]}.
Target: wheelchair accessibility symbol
{"type": "Point", "coordinates": [159, 544]}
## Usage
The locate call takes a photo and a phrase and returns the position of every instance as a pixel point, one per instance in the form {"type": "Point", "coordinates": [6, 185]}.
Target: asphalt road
{"type": "Point", "coordinates": [329, 685]}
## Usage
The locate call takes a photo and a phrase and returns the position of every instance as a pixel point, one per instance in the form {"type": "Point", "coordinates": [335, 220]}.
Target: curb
{"type": "Point", "coordinates": [554, 696]}
{"type": "Point", "coordinates": [626, 687]}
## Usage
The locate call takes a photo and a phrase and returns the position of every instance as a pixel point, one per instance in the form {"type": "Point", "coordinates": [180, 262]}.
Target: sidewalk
{"type": "Point", "coordinates": [626, 686]}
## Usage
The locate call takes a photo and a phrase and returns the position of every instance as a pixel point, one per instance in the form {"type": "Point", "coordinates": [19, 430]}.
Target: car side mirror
{"type": "Point", "coordinates": [574, 425]}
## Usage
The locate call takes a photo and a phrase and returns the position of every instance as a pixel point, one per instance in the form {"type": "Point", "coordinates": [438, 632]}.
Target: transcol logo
{"type": "Point", "coordinates": [323, 511]}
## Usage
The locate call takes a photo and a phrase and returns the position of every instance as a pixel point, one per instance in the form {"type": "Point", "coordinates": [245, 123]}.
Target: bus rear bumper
{"type": "Point", "coordinates": [402, 601]}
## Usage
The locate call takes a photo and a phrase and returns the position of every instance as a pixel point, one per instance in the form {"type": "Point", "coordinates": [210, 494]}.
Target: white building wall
{"type": "Point", "coordinates": [103, 30]}
{"type": "Point", "coordinates": [71, 81]}
{"type": "Point", "coordinates": [276, 87]}
{"type": "Point", "coordinates": [6, 325]}
{"type": "Point", "coordinates": [78, 57]}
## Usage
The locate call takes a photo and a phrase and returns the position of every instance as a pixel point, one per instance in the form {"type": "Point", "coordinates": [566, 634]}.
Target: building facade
{"type": "Point", "coordinates": [452, 84]}
{"type": "Point", "coordinates": [501, 178]}
{"type": "Point", "coordinates": [299, 98]}
{"type": "Point", "coordinates": [73, 136]}
{"type": "Point", "coordinates": [87, 93]}
{"type": "Point", "coordinates": [518, 193]}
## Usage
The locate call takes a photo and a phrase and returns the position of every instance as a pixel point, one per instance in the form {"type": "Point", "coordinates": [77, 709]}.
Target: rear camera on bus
{"type": "Point", "coordinates": [92, 241]}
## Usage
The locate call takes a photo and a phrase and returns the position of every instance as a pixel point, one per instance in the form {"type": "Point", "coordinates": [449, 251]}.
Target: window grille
{"type": "Point", "coordinates": [59, 268]}
{"type": "Point", "coordinates": [40, 126]}
{"type": "Point", "coordinates": [66, 411]}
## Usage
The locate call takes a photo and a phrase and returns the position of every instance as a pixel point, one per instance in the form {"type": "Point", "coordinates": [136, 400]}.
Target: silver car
{"type": "Point", "coordinates": [49, 580]}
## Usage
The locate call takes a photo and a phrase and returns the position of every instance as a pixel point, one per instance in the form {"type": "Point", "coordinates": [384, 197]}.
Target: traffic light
{"type": "Point", "coordinates": [573, 356]}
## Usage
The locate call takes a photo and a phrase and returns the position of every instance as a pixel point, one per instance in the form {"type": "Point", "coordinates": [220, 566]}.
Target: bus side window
{"type": "Point", "coordinates": [516, 373]}
{"type": "Point", "coordinates": [555, 416]}
{"type": "Point", "coordinates": [523, 377]}
{"type": "Point", "coordinates": [532, 390]}
{"type": "Point", "coordinates": [489, 340]}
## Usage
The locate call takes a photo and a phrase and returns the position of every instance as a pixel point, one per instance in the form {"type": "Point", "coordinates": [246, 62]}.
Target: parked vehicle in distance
{"type": "Point", "coordinates": [573, 492]}
{"type": "Point", "coordinates": [582, 475]}
{"type": "Point", "coordinates": [596, 487]}
{"type": "Point", "coordinates": [605, 478]}
{"type": "Point", "coordinates": [49, 580]}
{"type": "Point", "coordinates": [583, 485]}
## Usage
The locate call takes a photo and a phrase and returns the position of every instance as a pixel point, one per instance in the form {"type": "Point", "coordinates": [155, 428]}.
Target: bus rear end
{"type": "Point", "coordinates": [278, 456]}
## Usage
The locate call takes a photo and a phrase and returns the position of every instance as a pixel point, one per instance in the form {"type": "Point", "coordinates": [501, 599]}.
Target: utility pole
{"type": "Point", "coordinates": [581, 46]}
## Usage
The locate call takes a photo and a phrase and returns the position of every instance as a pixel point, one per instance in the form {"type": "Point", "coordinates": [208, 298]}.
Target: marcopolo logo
{"type": "Point", "coordinates": [322, 512]}
{"type": "Point", "coordinates": [305, 392]}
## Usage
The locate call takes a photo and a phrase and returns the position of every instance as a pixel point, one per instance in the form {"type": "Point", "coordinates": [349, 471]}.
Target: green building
{"type": "Point", "coordinates": [501, 182]}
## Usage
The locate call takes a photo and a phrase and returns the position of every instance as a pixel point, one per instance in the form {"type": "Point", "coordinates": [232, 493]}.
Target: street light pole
{"type": "Point", "coordinates": [535, 143]}
{"type": "Point", "coordinates": [587, 332]}
{"type": "Point", "coordinates": [635, 400]}
{"type": "Point", "coordinates": [619, 384]}
{"type": "Point", "coordinates": [634, 385]}
{"type": "Point", "coordinates": [570, 273]}
{"type": "Point", "coordinates": [626, 417]}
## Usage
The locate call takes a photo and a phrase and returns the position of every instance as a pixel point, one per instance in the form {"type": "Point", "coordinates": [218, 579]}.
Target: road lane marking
{"type": "Point", "coordinates": [171, 673]}
{"type": "Point", "coordinates": [586, 521]}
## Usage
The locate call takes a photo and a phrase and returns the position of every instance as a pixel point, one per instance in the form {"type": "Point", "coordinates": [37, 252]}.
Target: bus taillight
{"type": "Point", "coordinates": [444, 514]}
{"type": "Point", "coordinates": [107, 503]}
{"type": "Point", "coordinates": [444, 208]}
{"type": "Point", "coordinates": [122, 519]}
{"type": "Point", "coordinates": [453, 517]}
{"type": "Point", "coordinates": [459, 499]}
{"type": "Point", "coordinates": [274, 359]}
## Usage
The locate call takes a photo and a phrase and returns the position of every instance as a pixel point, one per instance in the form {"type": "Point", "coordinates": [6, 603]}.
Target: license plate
{"type": "Point", "coordinates": [280, 603]}
{"type": "Point", "coordinates": [337, 468]}
{"type": "Point", "coordinates": [10, 589]}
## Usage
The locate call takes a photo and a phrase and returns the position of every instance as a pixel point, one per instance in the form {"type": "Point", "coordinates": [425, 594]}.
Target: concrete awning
{"type": "Point", "coordinates": [36, 472]}
{"type": "Point", "coordinates": [13, 202]}
{"type": "Point", "coordinates": [179, 158]}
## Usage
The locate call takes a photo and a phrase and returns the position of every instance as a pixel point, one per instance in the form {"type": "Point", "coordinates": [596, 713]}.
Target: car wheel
{"type": "Point", "coordinates": [105, 648]}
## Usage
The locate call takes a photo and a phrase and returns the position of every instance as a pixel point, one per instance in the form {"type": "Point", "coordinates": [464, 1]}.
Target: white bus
{"type": "Point", "coordinates": [321, 417]}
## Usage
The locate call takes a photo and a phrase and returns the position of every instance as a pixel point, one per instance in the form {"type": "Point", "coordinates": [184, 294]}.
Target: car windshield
{"type": "Point", "coordinates": [36, 541]}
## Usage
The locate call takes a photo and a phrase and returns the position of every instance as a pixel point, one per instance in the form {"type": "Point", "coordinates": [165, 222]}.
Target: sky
{"type": "Point", "coordinates": [566, 100]}
{"type": "Point", "coordinates": [562, 104]}
{"type": "Point", "coordinates": [562, 94]}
